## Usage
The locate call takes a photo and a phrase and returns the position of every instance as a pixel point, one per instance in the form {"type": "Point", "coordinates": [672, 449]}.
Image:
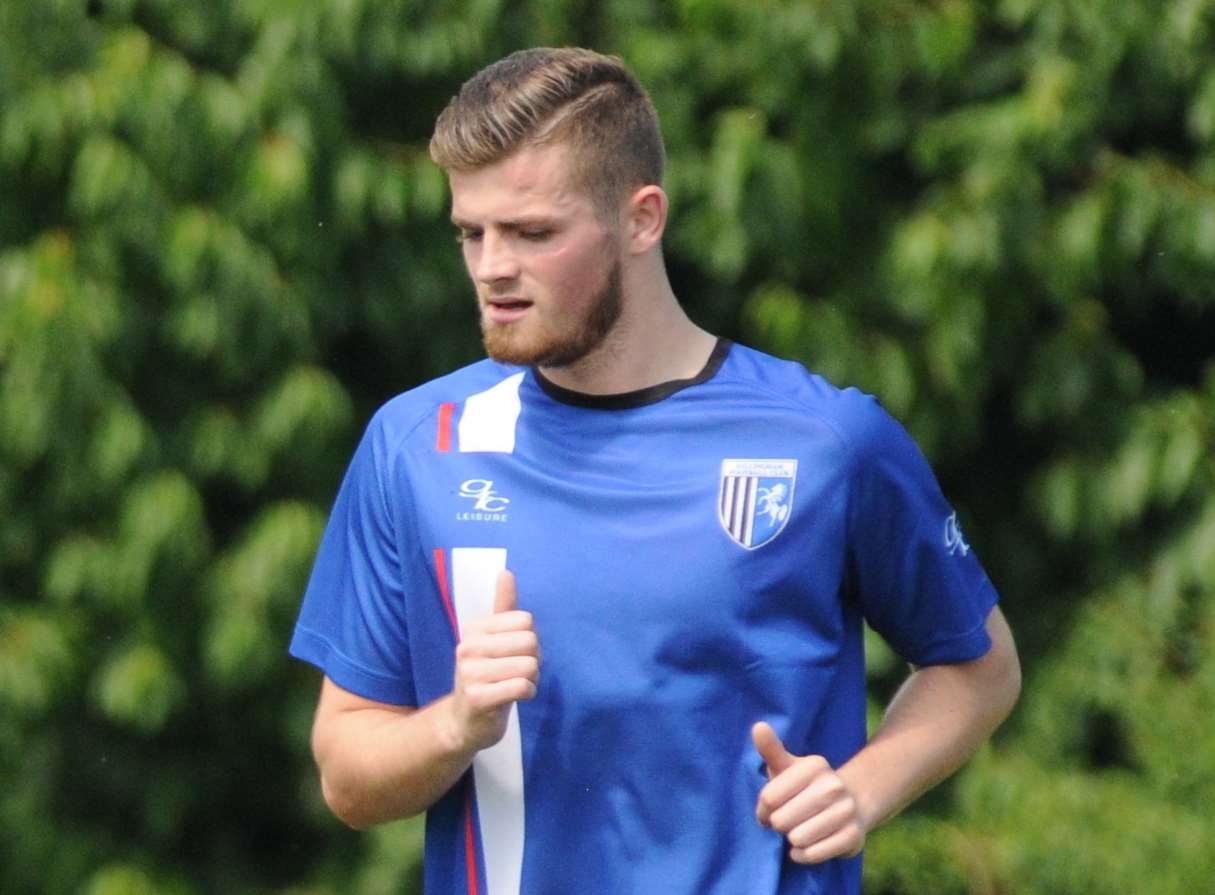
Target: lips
{"type": "Point", "coordinates": [506, 310]}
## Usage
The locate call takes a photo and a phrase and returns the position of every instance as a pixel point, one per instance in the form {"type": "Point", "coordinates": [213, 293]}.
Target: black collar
{"type": "Point", "coordinates": [642, 396]}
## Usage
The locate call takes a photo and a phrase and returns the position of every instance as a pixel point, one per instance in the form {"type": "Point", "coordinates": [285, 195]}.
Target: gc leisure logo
{"type": "Point", "coordinates": [954, 542]}
{"type": "Point", "coordinates": [487, 504]}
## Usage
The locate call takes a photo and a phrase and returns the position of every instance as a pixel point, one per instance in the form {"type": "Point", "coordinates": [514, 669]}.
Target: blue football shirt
{"type": "Point", "coordinates": [698, 556]}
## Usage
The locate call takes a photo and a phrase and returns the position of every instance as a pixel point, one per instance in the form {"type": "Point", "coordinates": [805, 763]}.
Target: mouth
{"type": "Point", "coordinates": [505, 310]}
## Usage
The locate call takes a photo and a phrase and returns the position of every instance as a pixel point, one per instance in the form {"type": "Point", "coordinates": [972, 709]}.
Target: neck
{"type": "Point", "coordinates": [652, 342]}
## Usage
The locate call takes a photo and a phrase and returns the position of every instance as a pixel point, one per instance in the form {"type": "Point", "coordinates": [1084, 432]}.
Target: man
{"type": "Point", "coordinates": [693, 530]}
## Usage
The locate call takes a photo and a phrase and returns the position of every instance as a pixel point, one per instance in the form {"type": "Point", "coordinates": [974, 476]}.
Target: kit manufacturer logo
{"type": "Point", "coordinates": [488, 505]}
{"type": "Point", "coordinates": [955, 543]}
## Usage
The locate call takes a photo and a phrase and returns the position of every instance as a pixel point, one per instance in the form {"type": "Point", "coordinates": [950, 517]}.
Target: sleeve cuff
{"type": "Point", "coordinates": [964, 647]}
{"type": "Point", "coordinates": [348, 674]}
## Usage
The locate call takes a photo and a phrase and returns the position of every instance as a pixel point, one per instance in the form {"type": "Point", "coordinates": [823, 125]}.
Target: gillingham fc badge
{"type": "Point", "coordinates": [756, 499]}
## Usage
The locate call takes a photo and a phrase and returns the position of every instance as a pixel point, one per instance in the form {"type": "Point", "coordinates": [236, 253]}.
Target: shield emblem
{"type": "Point", "coordinates": [756, 499]}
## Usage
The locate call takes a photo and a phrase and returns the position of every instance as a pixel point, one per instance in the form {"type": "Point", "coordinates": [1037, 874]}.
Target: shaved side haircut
{"type": "Point", "coordinates": [584, 99]}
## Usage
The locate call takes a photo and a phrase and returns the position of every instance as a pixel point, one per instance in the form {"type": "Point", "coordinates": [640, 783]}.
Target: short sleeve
{"type": "Point", "coordinates": [352, 624]}
{"type": "Point", "coordinates": [919, 583]}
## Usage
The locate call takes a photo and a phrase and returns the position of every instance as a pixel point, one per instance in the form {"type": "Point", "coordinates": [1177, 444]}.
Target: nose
{"type": "Point", "coordinates": [495, 261]}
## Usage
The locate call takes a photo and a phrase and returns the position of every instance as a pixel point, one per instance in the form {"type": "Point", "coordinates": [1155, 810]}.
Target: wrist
{"type": "Point", "coordinates": [869, 810]}
{"type": "Point", "coordinates": [452, 731]}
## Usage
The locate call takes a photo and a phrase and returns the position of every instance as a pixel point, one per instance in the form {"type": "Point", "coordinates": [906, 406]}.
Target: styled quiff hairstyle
{"type": "Point", "coordinates": [579, 97]}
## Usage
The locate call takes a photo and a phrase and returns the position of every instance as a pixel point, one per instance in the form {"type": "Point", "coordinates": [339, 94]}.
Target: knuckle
{"type": "Point", "coordinates": [472, 628]}
{"type": "Point", "coordinates": [807, 840]}
{"type": "Point", "coordinates": [784, 822]}
{"type": "Point", "coordinates": [465, 673]}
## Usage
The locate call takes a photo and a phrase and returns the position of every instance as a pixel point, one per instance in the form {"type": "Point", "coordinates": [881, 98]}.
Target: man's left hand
{"type": "Point", "coordinates": [807, 801]}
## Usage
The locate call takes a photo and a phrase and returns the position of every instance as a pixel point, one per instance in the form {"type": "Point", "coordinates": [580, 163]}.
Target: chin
{"type": "Point", "coordinates": [506, 347]}
{"type": "Point", "coordinates": [546, 342]}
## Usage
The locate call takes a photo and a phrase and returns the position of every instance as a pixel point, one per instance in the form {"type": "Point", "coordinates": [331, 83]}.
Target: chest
{"type": "Point", "coordinates": [688, 548]}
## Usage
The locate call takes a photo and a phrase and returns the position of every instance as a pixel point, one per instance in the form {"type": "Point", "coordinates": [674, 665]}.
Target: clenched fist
{"type": "Point", "coordinates": [806, 801]}
{"type": "Point", "coordinates": [497, 665]}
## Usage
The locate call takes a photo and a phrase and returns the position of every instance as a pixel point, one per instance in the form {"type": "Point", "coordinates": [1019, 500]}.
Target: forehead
{"type": "Point", "coordinates": [535, 180]}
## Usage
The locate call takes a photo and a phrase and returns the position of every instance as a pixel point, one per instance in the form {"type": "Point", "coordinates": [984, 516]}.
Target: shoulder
{"type": "Point", "coordinates": [417, 413]}
{"type": "Point", "coordinates": [856, 417]}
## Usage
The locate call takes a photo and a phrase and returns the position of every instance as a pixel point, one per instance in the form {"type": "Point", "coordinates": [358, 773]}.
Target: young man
{"type": "Point", "coordinates": [684, 534]}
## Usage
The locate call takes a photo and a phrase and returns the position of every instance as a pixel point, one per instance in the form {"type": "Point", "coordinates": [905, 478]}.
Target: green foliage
{"type": "Point", "coordinates": [222, 245]}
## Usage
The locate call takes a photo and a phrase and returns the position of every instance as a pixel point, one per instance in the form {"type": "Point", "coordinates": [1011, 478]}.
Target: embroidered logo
{"type": "Point", "coordinates": [488, 505]}
{"type": "Point", "coordinates": [954, 542]}
{"type": "Point", "coordinates": [756, 499]}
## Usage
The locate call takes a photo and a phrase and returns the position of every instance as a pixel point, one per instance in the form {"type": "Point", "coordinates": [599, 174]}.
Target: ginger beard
{"type": "Point", "coordinates": [557, 338]}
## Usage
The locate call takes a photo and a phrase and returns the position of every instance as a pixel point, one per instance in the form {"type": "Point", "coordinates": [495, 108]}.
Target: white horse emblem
{"type": "Point", "coordinates": [770, 503]}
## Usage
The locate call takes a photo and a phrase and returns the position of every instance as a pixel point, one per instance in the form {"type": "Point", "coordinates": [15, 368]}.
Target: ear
{"type": "Point", "coordinates": [646, 218]}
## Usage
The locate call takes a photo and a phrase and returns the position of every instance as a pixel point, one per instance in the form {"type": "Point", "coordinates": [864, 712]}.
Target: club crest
{"type": "Point", "coordinates": [756, 499]}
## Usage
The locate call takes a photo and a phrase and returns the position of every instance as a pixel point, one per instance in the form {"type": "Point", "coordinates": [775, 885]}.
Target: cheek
{"type": "Point", "coordinates": [469, 251]}
{"type": "Point", "coordinates": [576, 270]}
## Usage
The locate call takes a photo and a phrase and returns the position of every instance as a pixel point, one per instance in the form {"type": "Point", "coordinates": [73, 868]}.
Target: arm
{"type": "Point", "coordinates": [379, 762]}
{"type": "Point", "coordinates": [938, 718]}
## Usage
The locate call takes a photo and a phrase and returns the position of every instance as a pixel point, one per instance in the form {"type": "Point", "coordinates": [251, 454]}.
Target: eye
{"type": "Point", "coordinates": [535, 235]}
{"type": "Point", "coordinates": [463, 236]}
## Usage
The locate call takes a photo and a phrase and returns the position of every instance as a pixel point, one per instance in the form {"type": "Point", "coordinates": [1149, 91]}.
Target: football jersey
{"type": "Point", "coordinates": [698, 556]}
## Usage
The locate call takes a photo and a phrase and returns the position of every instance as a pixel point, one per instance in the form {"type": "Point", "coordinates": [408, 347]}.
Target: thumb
{"type": "Point", "coordinates": [770, 748]}
{"type": "Point", "coordinates": [506, 594]}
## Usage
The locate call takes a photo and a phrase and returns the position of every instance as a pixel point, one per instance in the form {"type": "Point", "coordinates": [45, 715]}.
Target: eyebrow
{"type": "Point", "coordinates": [513, 224]}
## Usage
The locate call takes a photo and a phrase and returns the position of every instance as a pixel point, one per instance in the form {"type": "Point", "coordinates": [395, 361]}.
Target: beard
{"type": "Point", "coordinates": [560, 342]}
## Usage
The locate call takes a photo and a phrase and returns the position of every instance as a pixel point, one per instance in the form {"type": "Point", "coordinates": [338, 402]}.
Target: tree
{"type": "Point", "coordinates": [222, 245]}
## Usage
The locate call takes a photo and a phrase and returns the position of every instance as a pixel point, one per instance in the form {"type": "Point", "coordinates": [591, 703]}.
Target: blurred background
{"type": "Point", "coordinates": [222, 246]}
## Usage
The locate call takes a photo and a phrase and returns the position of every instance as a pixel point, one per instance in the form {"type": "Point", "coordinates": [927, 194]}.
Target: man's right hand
{"type": "Point", "coordinates": [497, 665]}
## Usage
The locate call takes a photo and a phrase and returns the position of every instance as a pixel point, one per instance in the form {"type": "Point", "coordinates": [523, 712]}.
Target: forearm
{"type": "Point", "coordinates": [378, 765]}
{"type": "Point", "coordinates": [935, 722]}
{"type": "Point", "coordinates": [380, 762]}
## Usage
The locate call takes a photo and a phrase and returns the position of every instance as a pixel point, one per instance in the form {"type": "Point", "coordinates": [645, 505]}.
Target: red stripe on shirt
{"type": "Point", "coordinates": [443, 439]}
{"type": "Point", "coordinates": [470, 840]}
{"type": "Point", "coordinates": [470, 837]}
{"type": "Point", "coordinates": [444, 590]}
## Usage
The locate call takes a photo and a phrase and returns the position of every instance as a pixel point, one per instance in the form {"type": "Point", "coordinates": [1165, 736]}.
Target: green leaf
{"type": "Point", "coordinates": [138, 687]}
{"type": "Point", "coordinates": [37, 660]}
{"type": "Point", "coordinates": [263, 574]}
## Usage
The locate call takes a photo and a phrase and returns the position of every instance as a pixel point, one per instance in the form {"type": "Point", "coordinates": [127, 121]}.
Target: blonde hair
{"type": "Point", "coordinates": [584, 99]}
